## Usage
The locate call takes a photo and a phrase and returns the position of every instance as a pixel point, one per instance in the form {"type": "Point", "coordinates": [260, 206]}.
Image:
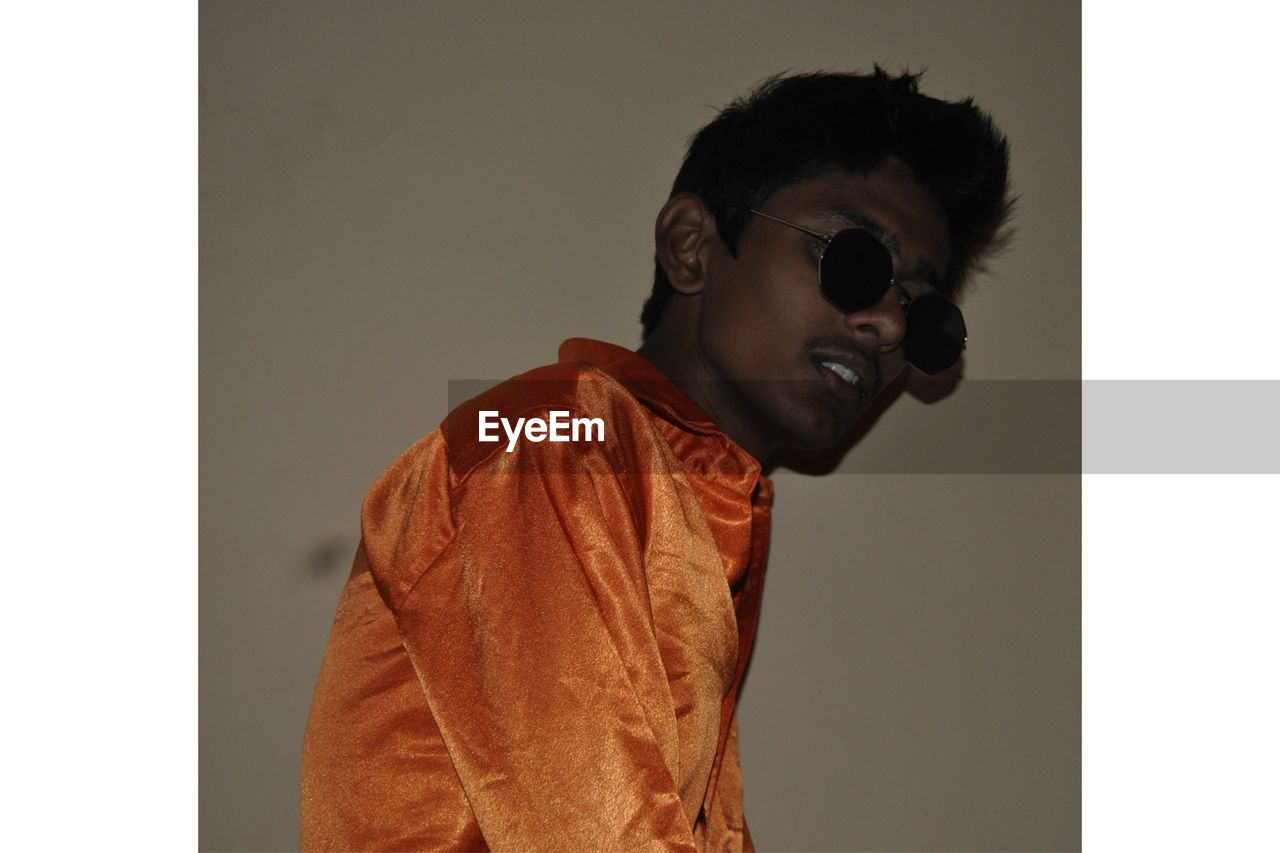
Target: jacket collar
{"type": "Point", "coordinates": [645, 382]}
{"type": "Point", "coordinates": [659, 394]}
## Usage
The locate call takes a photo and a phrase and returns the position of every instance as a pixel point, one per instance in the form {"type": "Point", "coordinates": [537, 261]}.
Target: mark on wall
{"type": "Point", "coordinates": [331, 554]}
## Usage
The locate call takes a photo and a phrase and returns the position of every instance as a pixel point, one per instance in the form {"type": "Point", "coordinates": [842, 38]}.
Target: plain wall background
{"type": "Point", "coordinates": [393, 195]}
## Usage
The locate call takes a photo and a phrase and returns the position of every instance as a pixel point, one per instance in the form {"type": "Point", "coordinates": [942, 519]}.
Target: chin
{"type": "Point", "coordinates": [823, 430]}
{"type": "Point", "coordinates": [812, 443]}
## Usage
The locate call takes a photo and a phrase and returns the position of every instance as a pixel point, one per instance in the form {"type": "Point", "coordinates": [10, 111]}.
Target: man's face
{"type": "Point", "coordinates": [764, 328]}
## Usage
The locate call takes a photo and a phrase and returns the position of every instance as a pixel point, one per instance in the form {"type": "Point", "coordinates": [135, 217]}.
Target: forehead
{"type": "Point", "coordinates": [889, 201]}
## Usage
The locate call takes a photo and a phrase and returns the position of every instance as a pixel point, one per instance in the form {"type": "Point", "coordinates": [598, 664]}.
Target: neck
{"type": "Point", "coordinates": [680, 360]}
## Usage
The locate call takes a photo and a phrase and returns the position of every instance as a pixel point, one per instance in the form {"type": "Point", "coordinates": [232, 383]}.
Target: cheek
{"type": "Point", "coordinates": [754, 324]}
{"type": "Point", "coordinates": [728, 330]}
{"type": "Point", "coordinates": [891, 366]}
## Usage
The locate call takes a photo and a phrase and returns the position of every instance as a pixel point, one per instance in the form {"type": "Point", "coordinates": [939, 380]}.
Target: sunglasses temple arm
{"type": "Point", "coordinates": [825, 238]}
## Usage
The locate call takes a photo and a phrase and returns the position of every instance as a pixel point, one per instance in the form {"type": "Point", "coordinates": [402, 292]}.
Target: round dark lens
{"type": "Point", "coordinates": [935, 334]}
{"type": "Point", "coordinates": [856, 270]}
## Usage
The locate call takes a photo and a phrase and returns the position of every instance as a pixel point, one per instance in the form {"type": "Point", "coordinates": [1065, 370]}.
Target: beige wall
{"type": "Point", "coordinates": [393, 195]}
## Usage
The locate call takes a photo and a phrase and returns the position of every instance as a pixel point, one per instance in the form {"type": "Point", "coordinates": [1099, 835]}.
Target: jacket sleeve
{"type": "Point", "coordinates": [532, 635]}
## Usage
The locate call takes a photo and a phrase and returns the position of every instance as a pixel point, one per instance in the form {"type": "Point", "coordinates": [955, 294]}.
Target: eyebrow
{"type": "Point", "coordinates": [923, 270]}
{"type": "Point", "coordinates": [854, 217]}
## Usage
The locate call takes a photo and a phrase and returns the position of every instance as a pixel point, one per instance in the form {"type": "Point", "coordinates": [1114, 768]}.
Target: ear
{"type": "Point", "coordinates": [684, 233]}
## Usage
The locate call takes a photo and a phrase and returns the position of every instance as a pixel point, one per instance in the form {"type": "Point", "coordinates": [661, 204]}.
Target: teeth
{"type": "Point", "coordinates": [843, 372]}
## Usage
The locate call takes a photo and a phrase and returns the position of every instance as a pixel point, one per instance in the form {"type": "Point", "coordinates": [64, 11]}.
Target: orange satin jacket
{"type": "Point", "coordinates": [542, 649]}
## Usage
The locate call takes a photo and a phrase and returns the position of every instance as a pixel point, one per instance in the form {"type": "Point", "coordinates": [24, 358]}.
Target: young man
{"type": "Point", "coordinates": [545, 629]}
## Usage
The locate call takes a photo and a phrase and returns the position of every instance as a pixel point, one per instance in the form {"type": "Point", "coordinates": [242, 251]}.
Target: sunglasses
{"type": "Point", "coordinates": [855, 271]}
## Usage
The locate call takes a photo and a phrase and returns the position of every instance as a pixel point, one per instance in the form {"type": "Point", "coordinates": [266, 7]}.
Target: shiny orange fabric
{"type": "Point", "coordinates": [542, 649]}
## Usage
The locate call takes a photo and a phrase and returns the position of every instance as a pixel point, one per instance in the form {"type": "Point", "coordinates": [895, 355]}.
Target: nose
{"type": "Point", "coordinates": [883, 324]}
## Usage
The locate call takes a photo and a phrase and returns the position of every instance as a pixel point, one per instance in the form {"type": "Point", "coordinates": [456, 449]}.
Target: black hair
{"type": "Point", "coordinates": [795, 127]}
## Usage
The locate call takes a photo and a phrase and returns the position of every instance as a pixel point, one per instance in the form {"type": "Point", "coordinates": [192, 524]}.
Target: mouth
{"type": "Point", "coordinates": [849, 378]}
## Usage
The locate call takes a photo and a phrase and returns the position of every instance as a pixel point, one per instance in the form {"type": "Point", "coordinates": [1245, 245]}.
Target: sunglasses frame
{"type": "Point", "coordinates": [906, 300]}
